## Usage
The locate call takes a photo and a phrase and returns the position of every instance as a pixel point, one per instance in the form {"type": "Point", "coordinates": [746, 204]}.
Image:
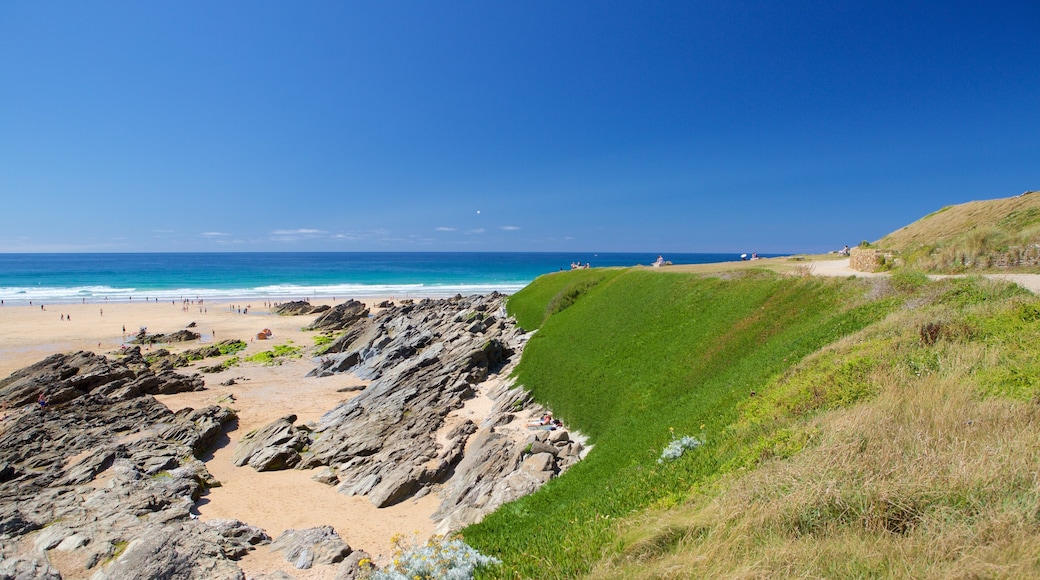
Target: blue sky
{"type": "Point", "coordinates": [526, 126]}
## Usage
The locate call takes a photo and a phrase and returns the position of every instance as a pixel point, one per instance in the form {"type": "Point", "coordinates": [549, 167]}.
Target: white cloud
{"type": "Point", "coordinates": [510, 228]}
{"type": "Point", "coordinates": [298, 232]}
{"type": "Point", "coordinates": [214, 234]}
{"type": "Point", "coordinates": [477, 231]}
{"type": "Point", "coordinates": [444, 229]}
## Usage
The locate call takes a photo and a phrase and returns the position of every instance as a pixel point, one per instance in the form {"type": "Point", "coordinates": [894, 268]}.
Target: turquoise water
{"type": "Point", "coordinates": [282, 276]}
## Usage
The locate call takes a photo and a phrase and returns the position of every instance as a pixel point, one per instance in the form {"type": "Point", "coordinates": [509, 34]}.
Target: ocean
{"type": "Point", "coordinates": [282, 276]}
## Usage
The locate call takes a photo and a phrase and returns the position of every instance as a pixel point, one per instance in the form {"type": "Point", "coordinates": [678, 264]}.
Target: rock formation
{"type": "Point", "coordinates": [108, 474]}
{"type": "Point", "coordinates": [340, 316]}
{"type": "Point", "coordinates": [392, 442]}
{"type": "Point", "coordinates": [143, 337]}
{"type": "Point", "coordinates": [298, 308]}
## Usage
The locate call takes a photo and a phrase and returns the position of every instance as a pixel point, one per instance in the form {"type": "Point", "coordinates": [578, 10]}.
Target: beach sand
{"type": "Point", "coordinates": [274, 501]}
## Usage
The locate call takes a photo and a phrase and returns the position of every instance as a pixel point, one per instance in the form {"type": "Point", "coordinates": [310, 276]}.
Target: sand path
{"type": "Point", "coordinates": [841, 268]}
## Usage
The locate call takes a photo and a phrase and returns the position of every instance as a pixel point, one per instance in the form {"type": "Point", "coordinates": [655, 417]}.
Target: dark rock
{"type": "Point", "coordinates": [143, 337]}
{"type": "Point", "coordinates": [340, 316]}
{"type": "Point", "coordinates": [298, 308]}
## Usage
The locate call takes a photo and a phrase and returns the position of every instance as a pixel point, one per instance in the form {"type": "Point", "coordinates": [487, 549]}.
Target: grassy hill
{"type": "Point", "coordinates": [847, 427]}
{"type": "Point", "coordinates": [978, 235]}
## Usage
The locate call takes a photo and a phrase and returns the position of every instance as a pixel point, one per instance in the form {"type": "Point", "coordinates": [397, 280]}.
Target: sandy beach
{"type": "Point", "coordinates": [274, 501]}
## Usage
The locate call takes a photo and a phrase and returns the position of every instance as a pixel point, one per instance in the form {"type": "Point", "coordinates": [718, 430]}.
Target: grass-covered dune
{"type": "Point", "coordinates": [848, 427]}
{"type": "Point", "coordinates": [633, 358]}
{"type": "Point", "coordinates": [996, 234]}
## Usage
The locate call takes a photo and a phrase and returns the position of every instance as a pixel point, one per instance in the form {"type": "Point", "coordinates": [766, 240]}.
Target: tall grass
{"type": "Point", "coordinates": [927, 470]}
{"type": "Point", "coordinates": [637, 357]}
{"type": "Point", "coordinates": [979, 235]}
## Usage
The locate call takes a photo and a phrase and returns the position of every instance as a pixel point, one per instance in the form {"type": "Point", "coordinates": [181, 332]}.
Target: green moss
{"type": "Point", "coordinates": [231, 346]}
{"type": "Point", "coordinates": [272, 356]}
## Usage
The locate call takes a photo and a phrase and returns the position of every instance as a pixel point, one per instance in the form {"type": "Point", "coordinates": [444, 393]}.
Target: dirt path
{"type": "Point", "coordinates": [1030, 282]}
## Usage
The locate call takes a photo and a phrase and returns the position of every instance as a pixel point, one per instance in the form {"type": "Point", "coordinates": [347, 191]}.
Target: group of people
{"type": "Point", "coordinates": [578, 266]}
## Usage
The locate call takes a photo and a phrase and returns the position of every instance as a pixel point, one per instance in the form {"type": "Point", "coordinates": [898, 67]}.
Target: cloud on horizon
{"type": "Point", "coordinates": [298, 232]}
{"type": "Point", "coordinates": [214, 234]}
{"type": "Point", "coordinates": [510, 228]}
{"type": "Point", "coordinates": [446, 229]}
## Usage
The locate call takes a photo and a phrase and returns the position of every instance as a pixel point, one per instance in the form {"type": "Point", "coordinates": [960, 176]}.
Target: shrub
{"type": "Point", "coordinates": [440, 558]}
{"type": "Point", "coordinates": [675, 449]}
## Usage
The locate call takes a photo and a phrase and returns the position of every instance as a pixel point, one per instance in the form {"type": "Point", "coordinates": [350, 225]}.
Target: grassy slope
{"type": "Point", "coordinates": [969, 231]}
{"type": "Point", "coordinates": [635, 356]}
{"type": "Point", "coordinates": [919, 457]}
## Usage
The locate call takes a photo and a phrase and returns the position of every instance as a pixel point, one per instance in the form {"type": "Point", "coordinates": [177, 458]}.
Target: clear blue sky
{"type": "Point", "coordinates": [523, 126]}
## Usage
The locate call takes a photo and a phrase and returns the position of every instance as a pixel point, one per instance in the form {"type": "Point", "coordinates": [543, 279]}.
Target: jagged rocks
{"type": "Point", "coordinates": [273, 447]}
{"type": "Point", "coordinates": [340, 316]}
{"type": "Point", "coordinates": [425, 360]}
{"type": "Point", "coordinates": [304, 548]}
{"type": "Point", "coordinates": [298, 308]}
{"type": "Point", "coordinates": [162, 359]}
{"type": "Point", "coordinates": [143, 337]}
{"type": "Point", "coordinates": [189, 552]}
{"type": "Point", "coordinates": [107, 472]}
{"type": "Point", "coordinates": [238, 538]}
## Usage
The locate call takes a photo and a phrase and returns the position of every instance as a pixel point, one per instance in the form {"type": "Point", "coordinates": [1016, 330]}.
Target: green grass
{"type": "Point", "coordinates": [890, 452]}
{"type": "Point", "coordinates": [551, 293]}
{"type": "Point", "coordinates": [632, 355]}
{"type": "Point", "coordinates": [272, 356]}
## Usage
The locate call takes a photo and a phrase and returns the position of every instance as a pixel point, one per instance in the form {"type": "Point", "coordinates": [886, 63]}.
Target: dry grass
{"type": "Point", "coordinates": [999, 233]}
{"type": "Point", "coordinates": [926, 478]}
{"type": "Point", "coordinates": [953, 221]}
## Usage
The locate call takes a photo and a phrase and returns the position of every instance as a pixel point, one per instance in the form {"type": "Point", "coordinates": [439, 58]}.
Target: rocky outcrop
{"type": "Point", "coordinates": [108, 473]}
{"type": "Point", "coordinates": [143, 337]}
{"type": "Point", "coordinates": [163, 359]}
{"type": "Point", "coordinates": [304, 548]}
{"type": "Point", "coordinates": [391, 442]}
{"type": "Point", "coordinates": [274, 447]}
{"type": "Point", "coordinates": [298, 308]}
{"type": "Point", "coordinates": [64, 377]}
{"type": "Point", "coordinates": [340, 316]}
